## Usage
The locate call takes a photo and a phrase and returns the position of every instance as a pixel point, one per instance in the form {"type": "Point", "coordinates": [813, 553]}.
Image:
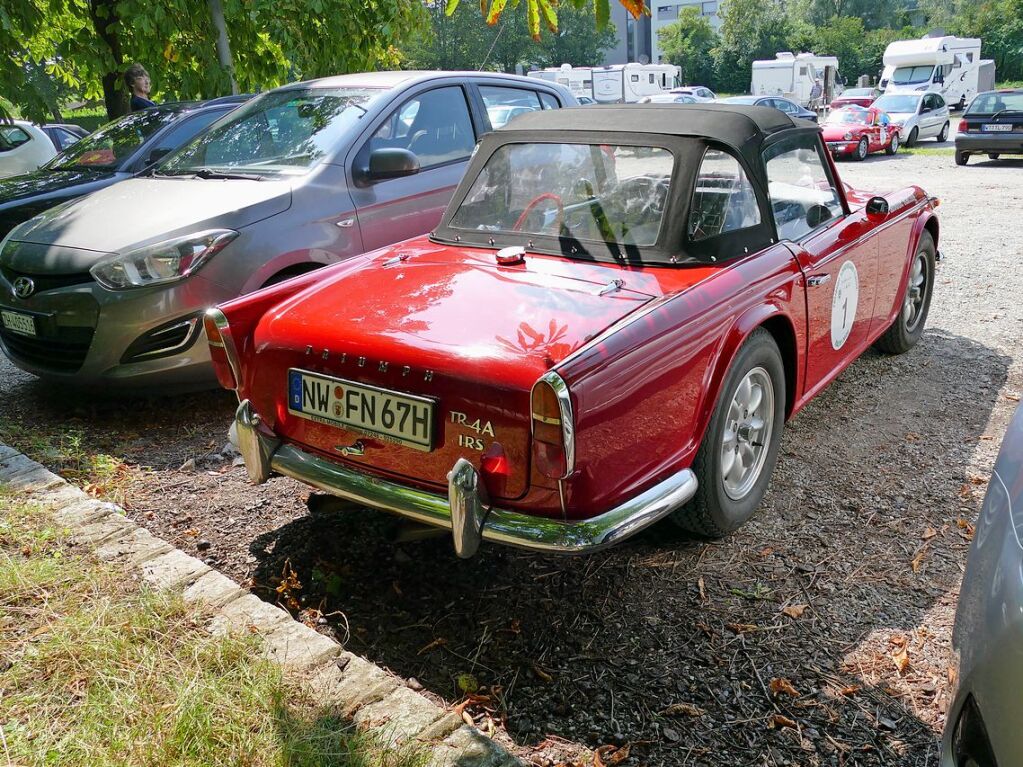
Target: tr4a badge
{"type": "Point", "coordinates": [478, 425]}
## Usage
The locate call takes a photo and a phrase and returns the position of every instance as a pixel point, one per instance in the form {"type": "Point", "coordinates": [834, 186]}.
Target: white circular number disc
{"type": "Point", "coordinates": [843, 304]}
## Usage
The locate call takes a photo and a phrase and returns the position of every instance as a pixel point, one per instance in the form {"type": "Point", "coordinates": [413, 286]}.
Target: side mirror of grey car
{"type": "Point", "coordinates": [156, 155]}
{"type": "Point", "coordinates": [392, 162]}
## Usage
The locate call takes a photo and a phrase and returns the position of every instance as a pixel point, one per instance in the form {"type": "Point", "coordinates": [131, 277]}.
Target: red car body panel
{"type": "Point", "coordinates": [879, 136]}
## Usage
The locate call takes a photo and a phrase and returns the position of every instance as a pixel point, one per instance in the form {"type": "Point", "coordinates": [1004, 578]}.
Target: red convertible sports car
{"type": "Point", "coordinates": [856, 132]}
{"type": "Point", "coordinates": [608, 327]}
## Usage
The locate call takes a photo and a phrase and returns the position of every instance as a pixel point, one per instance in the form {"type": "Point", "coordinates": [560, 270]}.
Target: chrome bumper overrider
{"type": "Point", "coordinates": [465, 510]}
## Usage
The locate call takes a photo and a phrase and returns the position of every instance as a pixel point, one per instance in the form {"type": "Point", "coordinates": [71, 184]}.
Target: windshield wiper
{"type": "Point", "coordinates": [1001, 112]}
{"type": "Point", "coordinates": [210, 173]}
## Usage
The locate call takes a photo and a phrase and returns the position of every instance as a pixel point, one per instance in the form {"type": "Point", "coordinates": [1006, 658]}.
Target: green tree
{"type": "Point", "coordinates": [688, 43]}
{"type": "Point", "coordinates": [87, 44]}
{"type": "Point", "coordinates": [750, 30]}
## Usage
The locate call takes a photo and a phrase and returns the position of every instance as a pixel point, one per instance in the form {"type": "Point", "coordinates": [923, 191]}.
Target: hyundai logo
{"type": "Point", "coordinates": [24, 287]}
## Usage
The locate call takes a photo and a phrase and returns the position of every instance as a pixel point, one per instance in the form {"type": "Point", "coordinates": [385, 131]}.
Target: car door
{"type": "Point", "coordinates": [930, 118]}
{"type": "Point", "coordinates": [436, 126]}
{"type": "Point", "coordinates": [833, 248]}
{"type": "Point", "coordinates": [22, 151]}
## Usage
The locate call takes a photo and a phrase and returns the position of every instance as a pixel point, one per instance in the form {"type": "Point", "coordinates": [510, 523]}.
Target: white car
{"type": "Point", "coordinates": [698, 92]}
{"type": "Point", "coordinates": [23, 148]}
{"type": "Point", "coordinates": [921, 115]}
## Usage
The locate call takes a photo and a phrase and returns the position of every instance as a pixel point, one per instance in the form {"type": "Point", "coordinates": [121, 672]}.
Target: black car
{"type": "Point", "coordinates": [64, 135]}
{"type": "Point", "coordinates": [991, 125]}
{"type": "Point", "coordinates": [791, 108]}
{"type": "Point", "coordinates": [117, 151]}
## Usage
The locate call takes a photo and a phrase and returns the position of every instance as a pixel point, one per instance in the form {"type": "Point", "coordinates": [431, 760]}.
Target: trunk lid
{"type": "Point", "coordinates": [447, 324]}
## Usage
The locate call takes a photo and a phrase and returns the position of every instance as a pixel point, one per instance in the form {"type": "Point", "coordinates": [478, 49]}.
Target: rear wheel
{"type": "Point", "coordinates": [862, 149]}
{"type": "Point", "coordinates": [893, 145]}
{"type": "Point", "coordinates": [908, 326]}
{"type": "Point", "coordinates": [913, 136]}
{"type": "Point", "coordinates": [962, 158]}
{"type": "Point", "coordinates": [736, 458]}
{"type": "Point", "coordinates": [943, 136]}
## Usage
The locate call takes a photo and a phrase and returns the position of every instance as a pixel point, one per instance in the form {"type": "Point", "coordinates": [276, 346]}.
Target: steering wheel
{"type": "Point", "coordinates": [642, 193]}
{"type": "Point", "coordinates": [531, 206]}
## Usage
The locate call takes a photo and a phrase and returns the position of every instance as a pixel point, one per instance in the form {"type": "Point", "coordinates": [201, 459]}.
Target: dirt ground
{"type": "Point", "coordinates": [816, 635]}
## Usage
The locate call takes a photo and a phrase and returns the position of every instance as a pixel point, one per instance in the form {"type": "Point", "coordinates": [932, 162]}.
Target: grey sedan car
{"type": "Point", "coordinates": [983, 727]}
{"type": "Point", "coordinates": [110, 289]}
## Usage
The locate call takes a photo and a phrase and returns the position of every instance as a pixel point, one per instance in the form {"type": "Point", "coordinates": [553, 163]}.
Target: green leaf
{"type": "Point", "coordinates": [550, 16]}
{"type": "Point", "coordinates": [602, 8]}
{"type": "Point", "coordinates": [496, 8]}
{"type": "Point", "coordinates": [533, 19]}
{"type": "Point", "coordinates": [450, 7]}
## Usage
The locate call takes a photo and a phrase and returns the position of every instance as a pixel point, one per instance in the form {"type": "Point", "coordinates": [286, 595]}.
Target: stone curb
{"type": "Point", "coordinates": [373, 698]}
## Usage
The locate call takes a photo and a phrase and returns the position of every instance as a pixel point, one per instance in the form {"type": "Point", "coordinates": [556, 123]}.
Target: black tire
{"type": "Point", "coordinates": [962, 158]}
{"type": "Point", "coordinates": [712, 512]}
{"type": "Point", "coordinates": [908, 326]}
{"type": "Point", "coordinates": [893, 145]}
{"type": "Point", "coordinates": [943, 136]}
{"type": "Point", "coordinates": [993, 156]}
{"type": "Point", "coordinates": [913, 136]}
{"type": "Point", "coordinates": [862, 149]}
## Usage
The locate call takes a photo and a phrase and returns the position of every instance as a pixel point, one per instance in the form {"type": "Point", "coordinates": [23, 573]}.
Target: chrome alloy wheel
{"type": "Point", "coordinates": [747, 433]}
{"type": "Point", "coordinates": [916, 291]}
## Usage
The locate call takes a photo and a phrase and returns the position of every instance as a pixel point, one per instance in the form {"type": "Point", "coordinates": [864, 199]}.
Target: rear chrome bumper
{"type": "Point", "coordinates": [465, 511]}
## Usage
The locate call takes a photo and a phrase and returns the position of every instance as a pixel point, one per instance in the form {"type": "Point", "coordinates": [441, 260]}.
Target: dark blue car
{"type": "Point", "coordinates": [117, 151]}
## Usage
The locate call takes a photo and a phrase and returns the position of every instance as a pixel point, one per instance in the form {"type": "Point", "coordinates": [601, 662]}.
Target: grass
{"type": "Point", "coordinates": [95, 671]}
{"type": "Point", "coordinates": [928, 150]}
{"type": "Point", "coordinates": [100, 474]}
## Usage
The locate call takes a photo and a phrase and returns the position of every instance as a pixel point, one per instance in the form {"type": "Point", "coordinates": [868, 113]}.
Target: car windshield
{"type": "Point", "coordinates": [894, 103]}
{"type": "Point", "coordinates": [595, 192]}
{"type": "Point", "coordinates": [110, 145]}
{"type": "Point", "coordinates": [856, 93]}
{"type": "Point", "coordinates": [912, 75]}
{"type": "Point", "coordinates": [282, 133]}
{"type": "Point", "coordinates": [846, 117]}
{"type": "Point", "coordinates": [992, 103]}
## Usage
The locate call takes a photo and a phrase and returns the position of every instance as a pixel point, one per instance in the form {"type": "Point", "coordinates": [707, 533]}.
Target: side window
{"type": "Point", "coordinates": [939, 102]}
{"type": "Point", "coordinates": [435, 126]}
{"type": "Point", "coordinates": [549, 102]}
{"type": "Point", "coordinates": [803, 195]}
{"type": "Point", "coordinates": [505, 103]}
{"type": "Point", "coordinates": [65, 138]}
{"type": "Point", "coordinates": [187, 129]}
{"type": "Point", "coordinates": [723, 199]}
{"type": "Point", "coordinates": [11, 137]}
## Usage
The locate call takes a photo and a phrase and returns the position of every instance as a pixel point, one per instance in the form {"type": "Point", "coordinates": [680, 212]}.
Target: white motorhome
{"type": "Point", "coordinates": [947, 65]}
{"type": "Point", "coordinates": [793, 76]}
{"type": "Point", "coordinates": [613, 84]}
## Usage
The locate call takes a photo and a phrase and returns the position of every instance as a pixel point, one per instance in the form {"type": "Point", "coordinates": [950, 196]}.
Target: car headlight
{"type": "Point", "coordinates": [848, 137]}
{"type": "Point", "coordinates": [163, 262]}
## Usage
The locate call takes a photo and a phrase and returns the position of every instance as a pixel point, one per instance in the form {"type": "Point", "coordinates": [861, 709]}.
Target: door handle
{"type": "Point", "coordinates": [817, 280]}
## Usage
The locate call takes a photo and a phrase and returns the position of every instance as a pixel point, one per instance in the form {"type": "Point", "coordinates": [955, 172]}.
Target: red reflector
{"type": "Point", "coordinates": [495, 469]}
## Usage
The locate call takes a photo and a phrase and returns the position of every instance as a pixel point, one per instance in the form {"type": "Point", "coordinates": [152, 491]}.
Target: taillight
{"type": "Point", "coordinates": [553, 430]}
{"type": "Point", "coordinates": [219, 337]}
{"type": "Point", "coordinates": [964, 127]}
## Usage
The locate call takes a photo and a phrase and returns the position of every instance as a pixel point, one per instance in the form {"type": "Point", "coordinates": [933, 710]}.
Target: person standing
{"type": "Point", "coordinates": [137, 79]}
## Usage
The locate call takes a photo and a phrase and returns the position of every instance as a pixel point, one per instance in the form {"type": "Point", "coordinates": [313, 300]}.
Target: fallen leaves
{"type": "Point", "coordinates": [778, 721]}
{"type": "Point", "coordinates": [967, 528]}
{"type": "Point", "coordinates": [917, 561]}
{"type": "Point", "coordinates": [438, 642]}
{"type": "Point", "coordinates": [850, 690]}
{"type": "Point", "coordinates": [900, 655]}
{"type": "Point", "coordinates": [741, 628]}
{"type": "Point", "coordinates": [928, 533]}
{"type": "Point", "coordinates": [289, 587]}
{"type": "Point", "coordinates": [608, 756]}
{"type": "Point", "coordinates": [703, 590]}
{"type": "Point", "coordinates": [794, 611]}
{"type": "Point", "coordinates": [780, 685]}
{"type": "Point", "coordinates": [544, 676]}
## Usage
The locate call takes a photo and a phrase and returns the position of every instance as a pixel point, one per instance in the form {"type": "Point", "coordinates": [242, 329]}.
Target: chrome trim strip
{"type": "Point", "coordinates": [230, 350]}
{"type": "Point", "coordinates": [188, 340]}
{"type": "Point", "coordinates": [465, 510]}
{"type": "Point", "coordinates": [557, 383]}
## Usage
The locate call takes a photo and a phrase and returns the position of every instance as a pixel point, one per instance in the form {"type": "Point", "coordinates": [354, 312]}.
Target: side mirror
{"type": "Point", "coordinates": [877, 207]}
{"type": "Point", "coordinates": [391, 162]}
{"type": "Point", "coordinates": [156, 155]}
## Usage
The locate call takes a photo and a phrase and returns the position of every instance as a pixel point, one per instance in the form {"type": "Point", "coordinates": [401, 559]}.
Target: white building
{"type": "Point", "coordinates": [664, 12]}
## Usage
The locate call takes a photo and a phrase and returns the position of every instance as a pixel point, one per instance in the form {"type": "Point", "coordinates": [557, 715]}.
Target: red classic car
{"type": "Point", "coordinates": [856, 132]}
{"type": "Point", "coordinates": [608, 327]}
{"type": "Point", "coordinates": [855, 97]}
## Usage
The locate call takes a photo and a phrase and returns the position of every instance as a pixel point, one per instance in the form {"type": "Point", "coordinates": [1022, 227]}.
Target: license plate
{"type": "Point", "coordinates": [997, 127]}
{"type": "Point", "coordinates": [402, 418]}
{"type": "Point", "coordinates": [19, 323]}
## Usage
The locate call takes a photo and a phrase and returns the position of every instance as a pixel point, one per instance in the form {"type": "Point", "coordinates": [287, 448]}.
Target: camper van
{"type": "Point", "coordinates": [616, 84]}
{"type": "Point", "coordinates": [793, 77]}
{"type": "Point", "coordinates": [947, 65]}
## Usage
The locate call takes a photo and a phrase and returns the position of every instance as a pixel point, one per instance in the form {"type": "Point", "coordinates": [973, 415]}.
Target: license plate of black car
{"type": "Point", "coordinates": [997, 127]}
{"type": "Point", "coordinates": [397, 417]}
{"type": "Point", "coordinates": [18, 322]}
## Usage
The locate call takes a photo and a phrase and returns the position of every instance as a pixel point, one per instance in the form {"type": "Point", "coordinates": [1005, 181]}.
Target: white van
{"type": "Point", "coordinates": [946, 65]}
{"type": "Point", "coordinates": [794, 76]}
{"type": "Point", "coordinates": [615, 84]}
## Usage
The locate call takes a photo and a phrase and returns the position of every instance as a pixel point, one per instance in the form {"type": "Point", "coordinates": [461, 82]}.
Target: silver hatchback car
{"type": "Point", "coordinates": [110, 289]}
{"type": "Point", "coordinates": [983, 727]}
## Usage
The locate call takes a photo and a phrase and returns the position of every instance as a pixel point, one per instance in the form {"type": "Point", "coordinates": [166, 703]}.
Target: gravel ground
{"type": "Point", "coordinates": [816, 635]}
